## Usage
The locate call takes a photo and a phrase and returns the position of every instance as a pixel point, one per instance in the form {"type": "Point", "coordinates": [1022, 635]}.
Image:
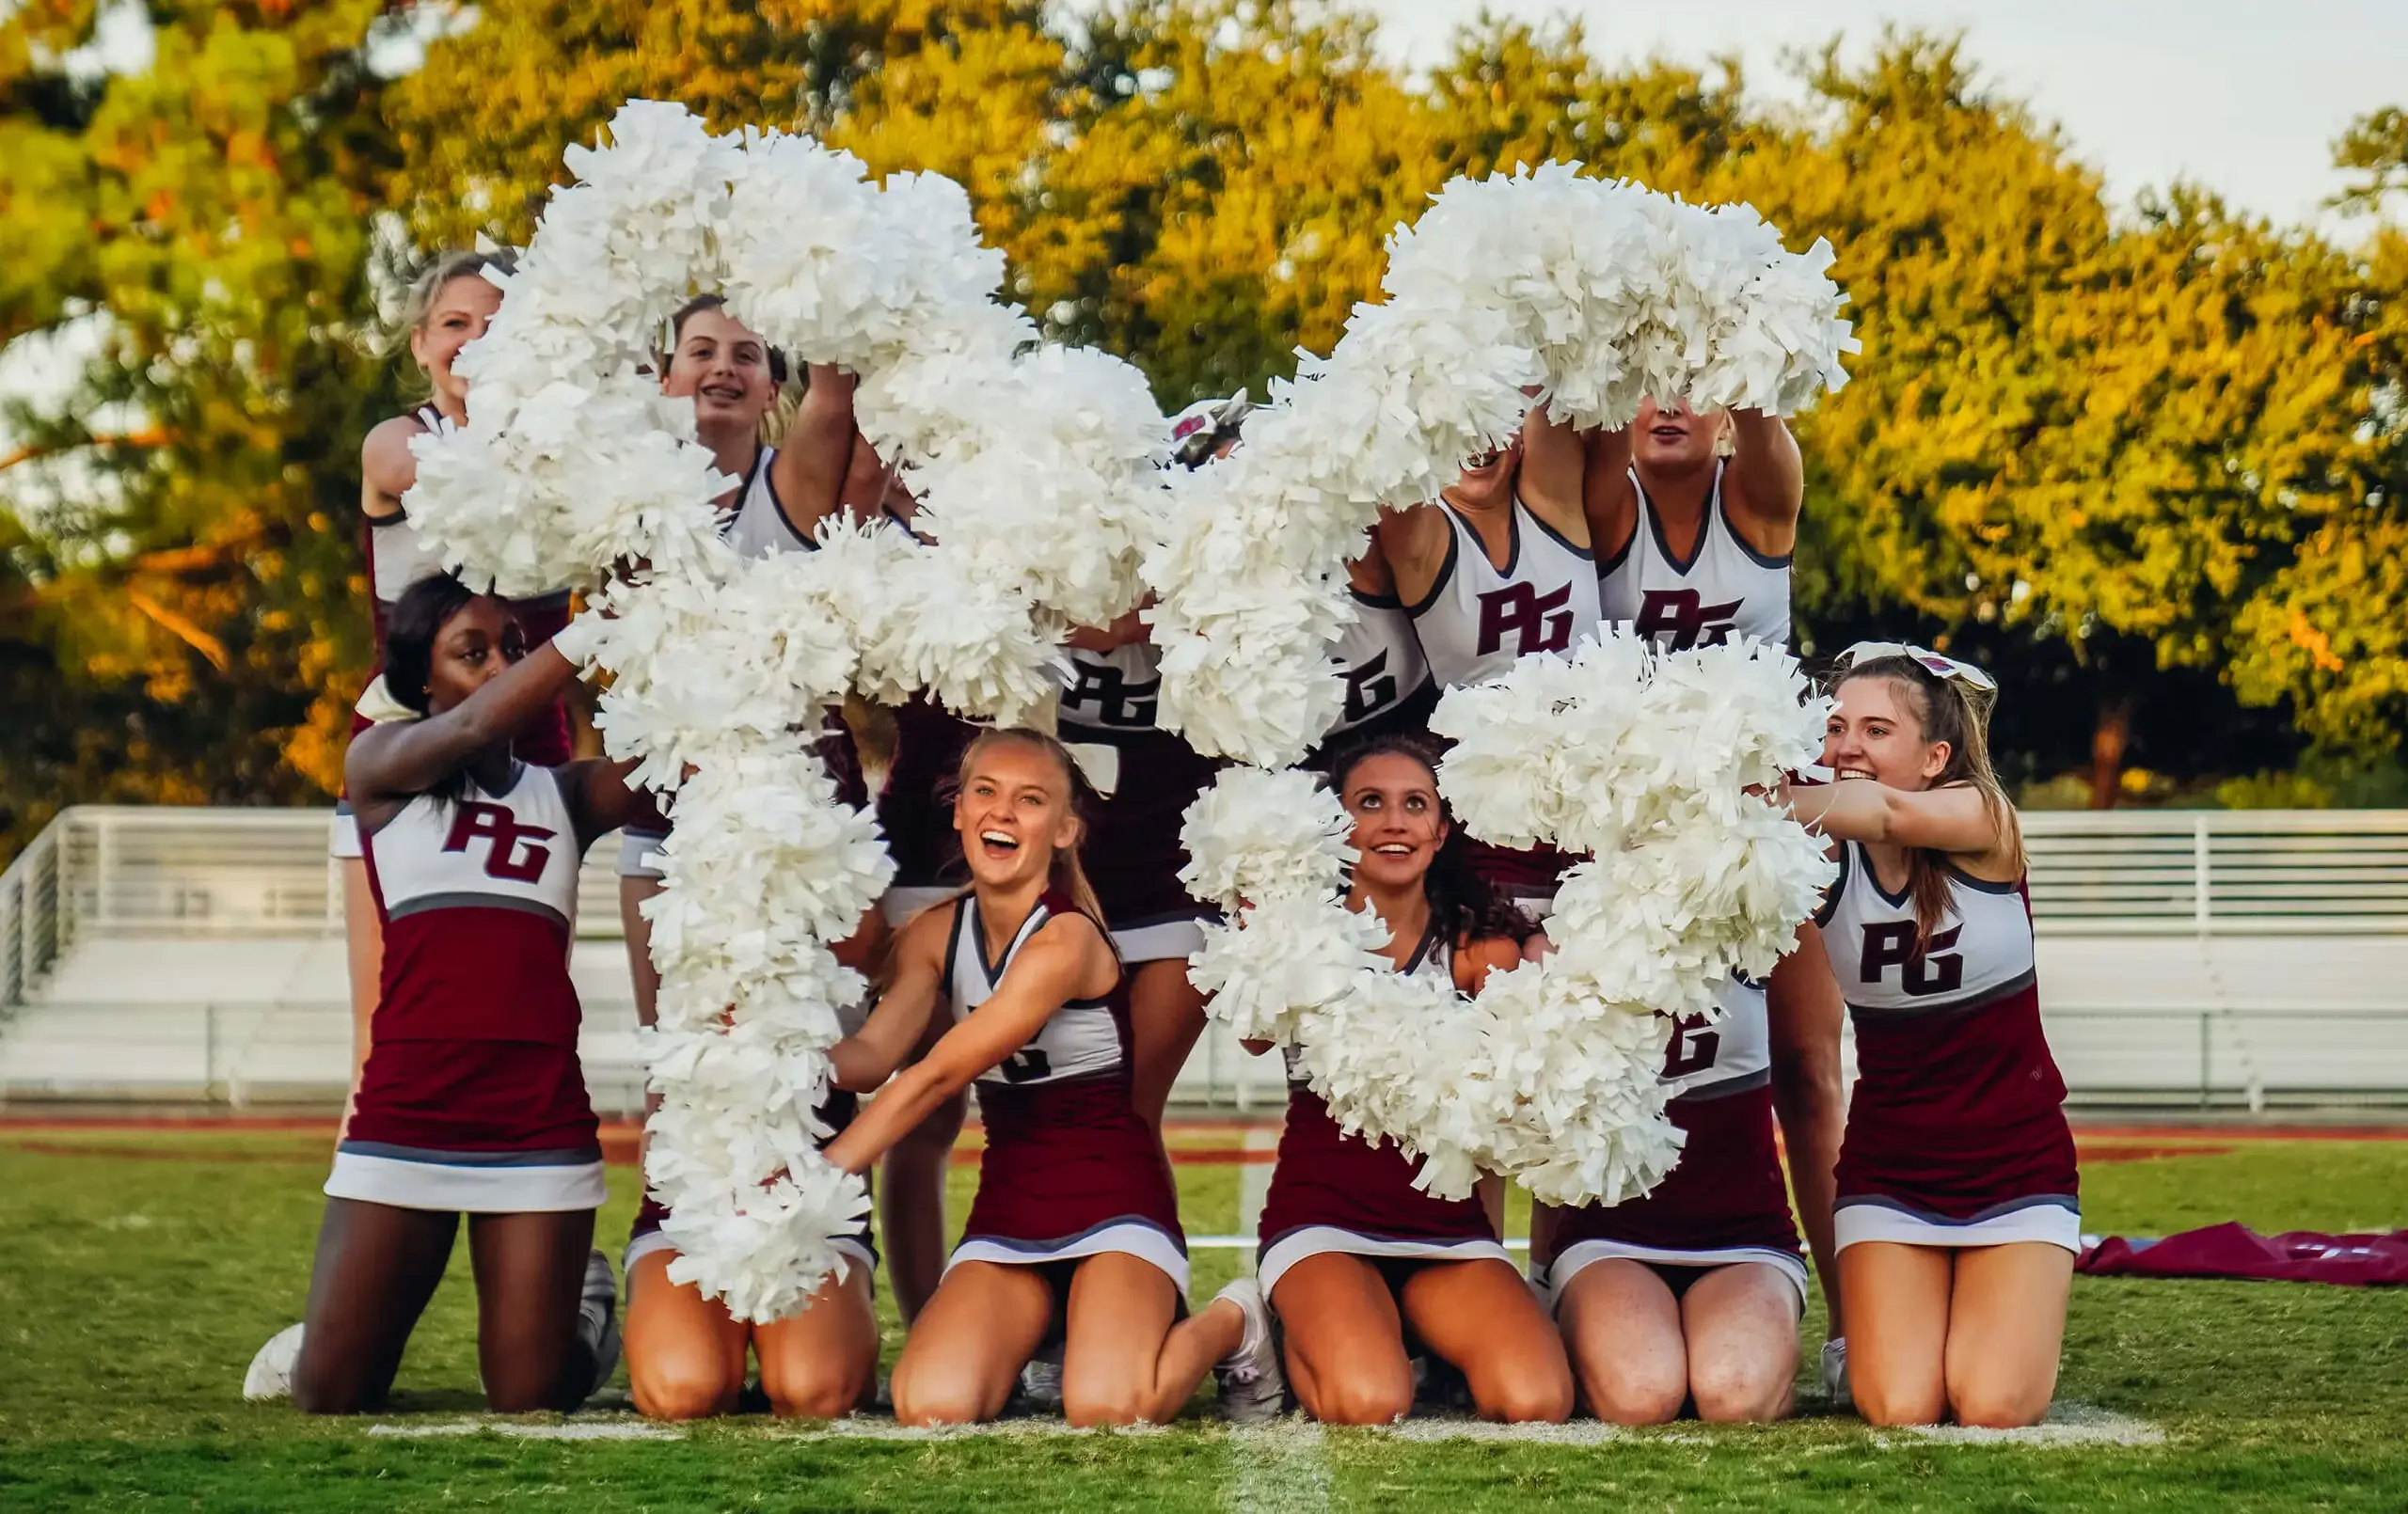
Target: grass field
{"type": "Point", "coordinates": [139, 1270]}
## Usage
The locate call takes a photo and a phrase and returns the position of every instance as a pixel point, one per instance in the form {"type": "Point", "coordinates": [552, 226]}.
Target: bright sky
{"type": "Point", "coordinates": [2244, 96]}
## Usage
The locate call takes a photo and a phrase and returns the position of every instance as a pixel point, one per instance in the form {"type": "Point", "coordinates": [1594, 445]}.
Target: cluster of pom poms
{"type": "Point", "coordinates": [1644, 761]}
{"type": "Point", "coordinates": [1594, 293]}
{"type": "Point", "coordinates": [1036, 469]}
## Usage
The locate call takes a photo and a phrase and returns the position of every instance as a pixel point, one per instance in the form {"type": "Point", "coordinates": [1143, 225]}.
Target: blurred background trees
{"type": "Point", "coordinates": [2147, 464]}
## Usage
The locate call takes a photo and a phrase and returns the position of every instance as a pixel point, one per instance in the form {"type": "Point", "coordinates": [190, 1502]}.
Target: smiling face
{"type": "Point", "coordinates": [723, 367]}
{"type": "Point", "coordinates": [1875, 732]}
{"type": "Point", "coordinates": [1013, 813]}
{"type": "Point", "coordinates": [461, 310]}
{"type": "Point", "coordinates": [1676, 439]}
{"type": "Point", "coordinates": [477, 645]}
{"type": "Point", "coordinates": [1487, 478]}
{"type": "Point", "coordinates": [1398, 823]}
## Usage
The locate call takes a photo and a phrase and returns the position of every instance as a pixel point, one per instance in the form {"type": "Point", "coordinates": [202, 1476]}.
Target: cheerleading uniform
{"type": "Point", "coordinates": [1388, 686]}
{"type": "Point", "coordinates": [1726, 589]}
{"type": "Point", "coordinates": [1957, 1132]}
{"type": "Point", "coordinates": [1726, 1201]}
{"type": "Point", "coordinates": [1133, 853]}
{"type": "Point", "coordinates": [1071, 1169]}
{"type": "Point", "coordinates": [473, 1099]}
{"type": "Point", "coordinates": [398, 558]}
{"type": "Point", "coordinates": [1478, 619]}
{"type": "Point", "coordinates": [757, 527]}
{"type": "Point", "coordinates": [1333, 1191]}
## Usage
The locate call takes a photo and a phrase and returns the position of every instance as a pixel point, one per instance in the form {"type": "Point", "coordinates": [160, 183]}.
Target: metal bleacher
{"type": "Point", "coordinates": [2200, 958]}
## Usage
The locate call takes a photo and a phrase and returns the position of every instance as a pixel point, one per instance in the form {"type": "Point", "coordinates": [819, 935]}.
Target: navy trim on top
{"type": "Point", "coordinates": [1584, 554]}
{"type": "Point", "coordinates": [1445, 572]}
{"type": "Point", "coordinates": [1874, 878]}
{"type": "Point", "coordinates": [1374, 600]}
{"type": "Point", "coordinates": [1513, 537]}
{"type": "Point", "coordinates": [1656, 528]}
{"type": "Point", "coordinates": [1838, 887]}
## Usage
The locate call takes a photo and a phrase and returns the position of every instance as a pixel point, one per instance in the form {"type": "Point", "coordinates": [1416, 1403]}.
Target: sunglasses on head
{"type": "Point", "coordinates": [1930, 661]}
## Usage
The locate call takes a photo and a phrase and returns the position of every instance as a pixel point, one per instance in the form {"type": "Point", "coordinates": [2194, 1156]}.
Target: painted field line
{"type": "Point", "coordinates": [2067, 1424]}
{"type": "Point", "coordinates": [1276, 1468]}
{"type": "Point", "coordinates": [590, 1429]}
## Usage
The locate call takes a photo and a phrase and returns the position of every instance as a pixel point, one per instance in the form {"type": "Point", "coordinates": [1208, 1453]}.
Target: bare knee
{"type": "Point", "coordinates": [1622, 1395]}
{"type": "Point", "coordinates": [1740, 1393]}
{"type": "Point", "coordinates": [1087, 1404]}
{"type": "Point", "coordinates": [928, 1398]}
{"type": "Point", "coordinates": [815, 1395]}
{"type": "Point", "coordinates": [1361, 1397]}
{"type": "Point", "coordinates": [1527, 1396]}
{"type": "Point", "coordinates": [692, 1389]}
{"type": "Point", "coordinates": [1895, 1403]}
{"type": "Point", "coordinates": [1998, 1406]}
{"type": "Point", "coordinates": [327, 1393]}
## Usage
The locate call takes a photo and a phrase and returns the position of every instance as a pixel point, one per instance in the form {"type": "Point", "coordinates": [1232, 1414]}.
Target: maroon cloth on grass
{"type": "Point", "coordinates": [2233, 1250]}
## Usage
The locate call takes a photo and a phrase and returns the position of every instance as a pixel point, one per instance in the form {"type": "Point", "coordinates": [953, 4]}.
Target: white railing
{"type": "Point", "coordinates": [232, 872]}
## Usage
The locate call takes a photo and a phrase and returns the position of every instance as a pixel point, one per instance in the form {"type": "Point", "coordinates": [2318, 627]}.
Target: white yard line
{"type": "Point", "coordinates": [575, 1429]}
{"type": "Point", "coordinates": [1276, 1468]}
{"type": "Point", "coordinates": [2068, 1423]}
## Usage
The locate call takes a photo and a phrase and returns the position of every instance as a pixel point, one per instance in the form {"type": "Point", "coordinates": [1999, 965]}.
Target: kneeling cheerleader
{"type": "Point", "coordinates": [1362, 1267]}
{"type": "Point", "coordinates": [472, 1101]}
{"type": "Point", "coordinates": [1075, 1233]}
{"type": "Point", "coordinates": [1957, 1220]}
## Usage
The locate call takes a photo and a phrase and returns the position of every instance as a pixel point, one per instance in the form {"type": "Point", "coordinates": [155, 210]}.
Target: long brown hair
{"type": "Point", "coordinates": [1959, 714]}
{"type": "Point", "coordinates": [1067, 873]}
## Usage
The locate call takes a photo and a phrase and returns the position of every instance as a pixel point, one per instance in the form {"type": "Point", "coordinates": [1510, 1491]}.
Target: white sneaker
{"type": "Point", "coordinates": [270, 1371]}
{"type": "Point", "coordinates": [1835, 1372]}
{"type": "Point", "coordinates": [597, 1318]}
{"type": "Point", "coordinates": [1040, 1380]}
{"type": "Point", "coordinates": [1253, 1389]}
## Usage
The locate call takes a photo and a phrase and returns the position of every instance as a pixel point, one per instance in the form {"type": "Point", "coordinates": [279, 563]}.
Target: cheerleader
{"type": "Point", "coordinates": [1356, 1260]}
{"type": "Point", "coordinates": [732, 375]}
{"type": "Point", "coordinates": [1695, 515]}
{"type": "Point", "coordinates": [1388, 686]}
{"type": "Point", "coordinates": [1075, 1233]}
{"type": "Point", "coordinates": [1958, 1217]}
{"type": "Point", "coordinates": [448, 307]}
{"type": "Point", "coordinates": [1498, 569]}
{"type": "Point", "coordinates": [472, 1102]}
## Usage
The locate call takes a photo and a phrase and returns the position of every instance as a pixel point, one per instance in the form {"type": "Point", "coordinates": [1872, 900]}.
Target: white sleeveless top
{"type": "Point", "coordinates": [1726, 587]}
{"type": "Point", "coordinates": [1476, 621]}
{"type": "Point", "coordinates": [396, 558]}
{"type": "Point", "coordinates": [1980, 950]}
{"type": "Point", "coordinates": [1379, 657]}
{"type": "Point", "coordinates": [1084, 1037]}
{"type": "Point", "coordinates": [1734, 1055]}
{"type": "Point", "coordinates": [516, 849]}
{"type": "Point", "coordinates": [757, 527]}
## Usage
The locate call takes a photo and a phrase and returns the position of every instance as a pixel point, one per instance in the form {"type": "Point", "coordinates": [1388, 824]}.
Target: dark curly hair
{"type": "Point", "coordinates": [417, 618]}
{"type": "Point", "coordinates": [1463, 906]}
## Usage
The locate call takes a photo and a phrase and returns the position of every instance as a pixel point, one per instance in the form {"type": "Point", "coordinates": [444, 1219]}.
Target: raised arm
{"type": "Point", "coordinates": [599, 796]}
{"type": "Point", "coordinates": [1554, 461]}
{"type": "Point", "coordinates": [1765, 490]}
{"type": "Point", "coordinates": [808, 473]}
{"type": "Point", "coordinates": [1955, 819]}
{"type": "Point", "coordinates": [869, 1056]}
{"type": "Point", "coordinates": [1066, 956]}
{"type": "Point", "coordinates": [1609, 496]}
{"type": "Point", "coordinates": [407, 757]}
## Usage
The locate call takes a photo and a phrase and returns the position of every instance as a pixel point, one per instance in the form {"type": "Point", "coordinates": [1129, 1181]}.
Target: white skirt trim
{"type": "Point", "coordinates": [404, 1183]}
{"type": "Point", "coordinates": [1324, 1240]}
{"type": "Point", "coordinates": [1130, 1237]}
{"type": "Point", "coordinates": [2050, 1221]}
{"type": "Point", "coordinates": [1581, 1255]}
{"type": "Point", "coordinates": [1161, 941]}
{"type": "Point", "coordinates": [342, 836]}
{"type": "Point", "coordinates": [899, 904]}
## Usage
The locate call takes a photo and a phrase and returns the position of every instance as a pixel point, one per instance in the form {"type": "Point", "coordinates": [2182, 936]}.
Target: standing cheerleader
{"type": "Point", "coordinates": [1695, 515]}
{"type": "Point", "coordinates": [1958, 1216]}
{"type": "Point", "coordinates": [1498, 569]}
{"type": "Point", "coordinates": [472, 1102]}
{"type": "Point", "coordinates": [448, 307]}
{"type": "Point", "coordinates": [1356, 1260]}
{"type": "Point", "coordinates": [1388, 686]}
{"type": "Point", "coordinates": [1074, 1234]}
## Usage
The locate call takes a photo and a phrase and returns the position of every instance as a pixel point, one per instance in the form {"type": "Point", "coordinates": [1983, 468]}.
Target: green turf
{"type": "Point", "coordinates": [134, 1288]}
